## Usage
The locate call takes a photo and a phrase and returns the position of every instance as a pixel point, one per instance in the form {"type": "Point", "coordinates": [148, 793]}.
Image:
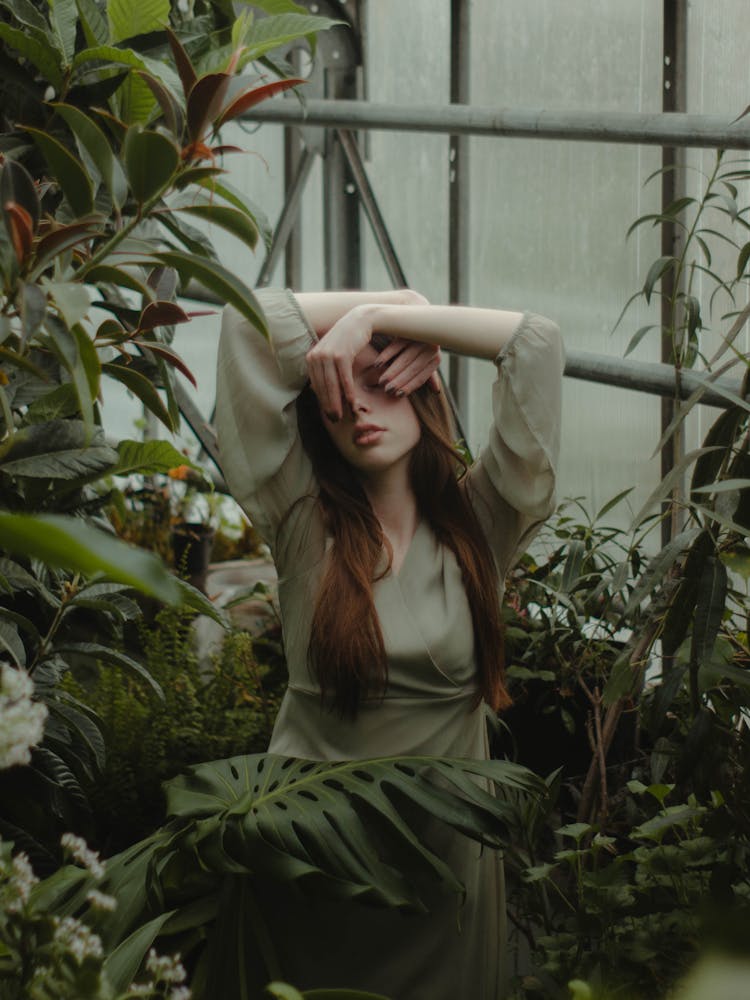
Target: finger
{"type": "Point", "coordinates": [325, 384]}
{"type": "Point", "coordinates": [390, 351]}
{"type": "Point", "coordinates": [427, 374]}
{"type": "Point", "coordinates": [409, 365]}
{"type": "Point", "coordinates": [346, 381]}
{"type": "Point", "coordinates": [399, 364]}
{"type": "Point", "coordinates": [434, 382]}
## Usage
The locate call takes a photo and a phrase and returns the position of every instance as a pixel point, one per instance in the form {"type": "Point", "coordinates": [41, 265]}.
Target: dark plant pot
{"type": "Point", "coordinates": [192, 543]}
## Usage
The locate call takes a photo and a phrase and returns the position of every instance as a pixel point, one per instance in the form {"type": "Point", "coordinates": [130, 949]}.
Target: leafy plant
{"type": "Point", "coordinates": [204, 712]}
{"type": "Point", "coordinates": [109, 146]}
{"type": "Point", "coordinates": [191, 883]}
{"type": "Point", "coordinates": [625, 878]}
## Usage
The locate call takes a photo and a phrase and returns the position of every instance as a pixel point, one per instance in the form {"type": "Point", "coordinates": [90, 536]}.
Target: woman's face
{"type": "Point", "coordinates": [382, 429]}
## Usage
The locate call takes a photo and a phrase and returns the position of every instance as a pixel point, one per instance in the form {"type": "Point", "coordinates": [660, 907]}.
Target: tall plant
{"type": "Point", "coordinates": [111, 160]}
{"type": "Point", "coordinates": [655, 855]}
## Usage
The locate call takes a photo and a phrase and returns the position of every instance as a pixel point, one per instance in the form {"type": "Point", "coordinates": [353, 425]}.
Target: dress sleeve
{"type": "Point", "coordinates": [258, 381]}
{"type": "Point", "coordinates": [512, 485]}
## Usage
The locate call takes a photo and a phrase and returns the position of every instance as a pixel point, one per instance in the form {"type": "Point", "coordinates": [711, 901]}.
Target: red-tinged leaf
{"type": "Point", "coordinates": [255, 96]}
{"type": "Point", "coordinates": [21, 228]}
{"type": "Point", "coordinates": [161, 314]}
{"type": "Point", "coordinates": [106, 274]}
{"type": "Point", "coordinates": [182, 61]}
{"type": "Point", "coordinates": [174, 117]}
{"type": "Point", "coordinates": [204, 103]}
{"type": "Point", "coordinates": [56, 240]}
{"type": "Point", "coordinates": [111, 330]}
{"type": "Point", "coordinates": [169, 355]}
{"type": "Point", "coordinates": [197, 175]}
{"type": "Point", "coordinates": [221, 150]}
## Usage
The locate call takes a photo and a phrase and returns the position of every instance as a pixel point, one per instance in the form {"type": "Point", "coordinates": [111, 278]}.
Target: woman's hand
{"type": "Point", "coordinates": [405, 364]}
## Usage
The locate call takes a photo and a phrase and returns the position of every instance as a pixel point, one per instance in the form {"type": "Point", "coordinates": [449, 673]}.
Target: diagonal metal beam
{"type": "Point", "coordinates": [288, 217]}
{"type": "Point", "coordinates": [372, 210]}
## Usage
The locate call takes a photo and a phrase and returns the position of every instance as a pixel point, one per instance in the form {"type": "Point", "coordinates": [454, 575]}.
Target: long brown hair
{"type": "Point", "coordinates": [346, 650]}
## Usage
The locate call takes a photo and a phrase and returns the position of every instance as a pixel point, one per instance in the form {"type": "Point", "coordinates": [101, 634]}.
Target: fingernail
{"type": "Point", "coordinates": [399, 393]}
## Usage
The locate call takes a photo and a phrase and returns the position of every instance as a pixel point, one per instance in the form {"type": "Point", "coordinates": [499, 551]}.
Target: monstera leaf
{"type": "Point", "coordinates": [357, 825]}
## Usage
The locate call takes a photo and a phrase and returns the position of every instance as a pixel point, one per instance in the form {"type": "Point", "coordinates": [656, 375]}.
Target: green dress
{"type": "Point", "coordinates": [452, 953]}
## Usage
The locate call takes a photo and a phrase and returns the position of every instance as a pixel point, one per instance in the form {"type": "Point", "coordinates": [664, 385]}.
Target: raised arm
{"type": "Point", "coordinates": [411, 358]}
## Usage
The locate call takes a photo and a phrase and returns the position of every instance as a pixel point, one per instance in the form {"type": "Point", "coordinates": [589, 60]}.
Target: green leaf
{"type": "Point", "coordinates": [94, 25]}
{"type": "Point", "coordinates": [108, 275]}
{"type": "Point", "coordinates": [575, 830]}
{"type": "Point", "coordinates": [66, 170]}
{"type": "Point", "coordinates": [64, 19]}
{"type": "Point", "coordinates": [668, 482]}
{"type": "Point", "coordinates": [174, 117]}
{"type": "Point", "coordinates": [234, 222]}
{"type": "Point", "coordinates": [127, 57]}
{"type": "Point", "coordinates": [69, 543]}
{"type": "Point", "coordinates": [95, 149]}
{"type": "Point", "coordinates": [141, 387]}
{"type": "Point", "coordinates": [610, 504]}
{"type": "Point", "coordinates": [150, 161]}
{"type": "Point", "coordinates": [10, 642]}
{"type": "Point", "coordinates": [638, 337]}
{"type": "Point", "coordinates": [128, 19]}
{"type": "Point", "coordinates": [659, 267]}
{"type": "Point", "coordinates": [71, 298]}
{"type": "Point", "coordinates": [220, 280]}
{"type": "Point", "coordinates": [709, 610]}
{"type": "Point", "coordinates": [79, 356]}
{"type": "Point", "coordinates": [659, 566]}
{"type": "Point", "coordinates": [122, 965]}
{"type": "Point", "coordinates": [272, 32]}
{"type": "Point", "coordinates": [38, 52]}
{"type": "Point", "coordinates": [229, 193]}
{"type": "Point", "coordinates": [108, 654]}
{"type": "Point", "coordinates": [286, 815]}
{"type": "Point", "coordinates": [741, 260]}
{"type": "Point", "coordinates": [33, 308]}
{"type": "Point", "coordinates": [723, 486]}
{"type": "Point", "coordinates": [195, 599]}
{"type": "Point", "coordinates": [56, 450]}
{"type": "Point", "coordinates": [148, 458]}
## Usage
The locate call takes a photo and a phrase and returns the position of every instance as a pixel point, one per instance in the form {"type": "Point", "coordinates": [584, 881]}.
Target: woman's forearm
{"type": "Point", "coordinates": [481, 333]}
{"type": "Point", "coordinates": [323, 309]}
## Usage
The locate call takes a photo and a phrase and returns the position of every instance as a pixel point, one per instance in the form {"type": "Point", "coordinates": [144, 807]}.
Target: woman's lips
{"type": "Point", "coordinates": [366, 434]}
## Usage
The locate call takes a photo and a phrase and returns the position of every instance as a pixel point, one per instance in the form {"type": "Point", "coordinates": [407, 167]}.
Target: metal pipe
{"type": "Point", "coordinates": [655, 129]}
{"type": "Point", "coordinates": [458, 192]}
{"type": "Point", "coordinates": [644, 376]}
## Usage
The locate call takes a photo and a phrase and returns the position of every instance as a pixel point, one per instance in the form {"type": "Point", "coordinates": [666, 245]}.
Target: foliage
{"type": "Point", "coordinates": [109, 147]}
{"type": "Point", "coordinates": [191, 881]}
{"type": "Point", "coordinates": [564, 635]}
{"type": "Point", "coordinates": [646, 856]}
{"type": "Point", "coordinates": [204, 712]}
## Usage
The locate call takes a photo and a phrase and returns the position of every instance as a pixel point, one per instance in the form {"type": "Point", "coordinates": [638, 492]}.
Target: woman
{"type": "Point", "coordinates": [390, 576]}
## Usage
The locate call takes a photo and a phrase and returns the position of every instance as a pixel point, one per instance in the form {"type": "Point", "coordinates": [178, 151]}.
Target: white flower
{"type": "Point", "coordinates": [49, 93]}
{"type": "Point", "coordinates": [184, 6]}
{"type": "Point", "coordinates": [180, 993]}
{"type": "Point", "coordinates": [21, 718]}
{"type": "Point", "coordinates": [101, 901]}
{"type": "Point", "coordinates": [79, 850]}
{"type": "Point", "coordinates": [78, 939]}
{"type": "Point", "coordinates": [20, 880]}
{"type": "Point", "coordinates": [165, 968]}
